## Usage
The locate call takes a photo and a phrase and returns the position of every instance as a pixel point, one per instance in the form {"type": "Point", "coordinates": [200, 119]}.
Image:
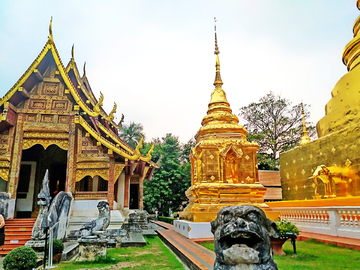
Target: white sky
{"type": "Point", "coordinates": [155, 58]}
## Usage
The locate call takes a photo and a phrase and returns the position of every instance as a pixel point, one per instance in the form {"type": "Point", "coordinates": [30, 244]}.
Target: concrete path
{"type": "Point", "coordinates": [192, 254]}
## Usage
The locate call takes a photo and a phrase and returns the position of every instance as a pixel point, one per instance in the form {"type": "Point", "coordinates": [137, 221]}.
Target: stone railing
{"type": "Point", "coordinates": [340, 221]}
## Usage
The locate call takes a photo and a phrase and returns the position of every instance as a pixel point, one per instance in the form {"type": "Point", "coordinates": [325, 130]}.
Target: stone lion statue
{"type": "Point", "coordinates": [242, 239]}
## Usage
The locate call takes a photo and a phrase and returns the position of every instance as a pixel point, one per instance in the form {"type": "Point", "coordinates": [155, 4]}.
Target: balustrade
{"type": "Point", "coordinates": [336, 221]}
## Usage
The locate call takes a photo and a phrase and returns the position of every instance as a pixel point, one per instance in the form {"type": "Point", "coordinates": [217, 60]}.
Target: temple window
{"type": "Point", "coordinates": [92, 184]}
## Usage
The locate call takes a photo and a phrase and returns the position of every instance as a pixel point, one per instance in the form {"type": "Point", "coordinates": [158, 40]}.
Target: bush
{"type": "Point", "coordinates": [286, 227]}
{"type": "Point", "coordinates": [58, 246]}
{"type": "Point", "coordinates": [21, 258]}
{"type": "Point", "coordinates": [167, 219]}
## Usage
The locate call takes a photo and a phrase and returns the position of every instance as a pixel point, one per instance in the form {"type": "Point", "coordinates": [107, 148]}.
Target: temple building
{"type": "Point", "coordinates": [50, 119]}
{"type": "Point", "coordinates": [224, 163]}
{"type": "Point", "coordinates": [328, 168]}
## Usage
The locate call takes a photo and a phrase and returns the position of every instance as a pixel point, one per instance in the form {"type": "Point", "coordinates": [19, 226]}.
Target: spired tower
{"type": "Point", "coordinates": [224, 164]}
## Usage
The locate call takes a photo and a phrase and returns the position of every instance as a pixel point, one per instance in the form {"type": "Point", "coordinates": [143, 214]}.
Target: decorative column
{"type": "Point", "coordinates": [110, 195]}
{"type": "Point", "coordinates": [127, 190]}
{"type": "Point", "coordinates": [16, 156]}
{"type": "Point", "coordinates": [71, 158]}
{"type": "Point", "coordinates": [141, 188]}
{"type": "Point", "coordinates": [130, 170]}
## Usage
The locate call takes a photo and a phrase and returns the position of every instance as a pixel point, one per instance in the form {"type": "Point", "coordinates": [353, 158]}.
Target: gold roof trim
{"type": "Point", "coordinates": [50, 45]}
{"type": "Point", "coordinates": [113, 136]}
{"type": "Point", "coordinates": [72, 65]}
{"type": "Point", "coordinates": [27, 73]}
{"type": "Point", "coordinates": [110, 145]}
{"type": "Point", "coordinates": [96, 106]}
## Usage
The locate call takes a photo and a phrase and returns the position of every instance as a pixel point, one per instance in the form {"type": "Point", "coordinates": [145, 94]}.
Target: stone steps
{"type": "Point", "coordinates": [17, 233]}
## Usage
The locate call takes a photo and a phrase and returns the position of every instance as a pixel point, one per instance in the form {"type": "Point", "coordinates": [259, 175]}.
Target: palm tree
{"type": "Point", "coordinates": [131, 133]}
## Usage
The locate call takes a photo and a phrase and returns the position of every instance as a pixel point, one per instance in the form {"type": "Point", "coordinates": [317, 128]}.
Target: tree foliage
{"type": "Point", "coordinates": [185, 151]}
{"type": "Point", "coordinates": [276, 126]}
{"type": "Point", "coordinates": [167, 187]}
{"type": "Point", "coordinates": [131, 133]}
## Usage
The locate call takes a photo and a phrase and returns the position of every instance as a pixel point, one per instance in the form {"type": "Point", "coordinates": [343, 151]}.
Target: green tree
{"type": "Point", "coordinates": [185, 151]}
{"type": "Point", "coordinates": [131, 133]}
{"type": "Point", "coordinates": [276, 126]}
{"type": "Point", "coordinates": [167, 187]}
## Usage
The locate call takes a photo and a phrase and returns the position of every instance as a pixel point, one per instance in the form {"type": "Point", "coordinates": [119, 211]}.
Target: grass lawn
{"type": "Point", "coordinates": [155, 255]}
{"type": "Point", "coordinates": [314, 255]}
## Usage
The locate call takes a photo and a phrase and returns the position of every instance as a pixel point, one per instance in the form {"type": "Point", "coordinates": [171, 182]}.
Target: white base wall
{"type": "Point", "coordinates": [193, 230]}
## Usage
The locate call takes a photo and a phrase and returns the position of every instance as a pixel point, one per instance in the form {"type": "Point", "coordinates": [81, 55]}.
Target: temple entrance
{"type": "Point", "coordinates": [134, 196]}
{"type": "Point", "coordinates": [57, 178]}
{"type": "Point", "coordinates": [35, 161]}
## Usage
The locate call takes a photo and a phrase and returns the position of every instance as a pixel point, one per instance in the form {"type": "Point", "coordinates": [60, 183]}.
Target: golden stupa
{"type": "Point", "coordinates": [328, 168]}
{"type": "Point", "coordinates": [224, 163]}
{"type": "Point", "coordinates": [343, 108]}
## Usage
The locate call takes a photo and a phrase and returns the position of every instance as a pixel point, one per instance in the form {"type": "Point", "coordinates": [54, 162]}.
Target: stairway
{"type": "Point", "coordinates": [17, 233]}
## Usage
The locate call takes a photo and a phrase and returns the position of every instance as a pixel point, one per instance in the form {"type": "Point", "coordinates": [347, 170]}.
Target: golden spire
{"type": "Point", "coordinates": [50, 32]}
{"type": "Point", "coordinates": [218, 82]}
{"type": "Point", "coordinates": [219, 118]}
{"type": "Point", "coordinates": [305, 137]}
{"type": "Point", "coordinates": [84, 69]}
{"type": "Point", "coordinates": [218, 95]}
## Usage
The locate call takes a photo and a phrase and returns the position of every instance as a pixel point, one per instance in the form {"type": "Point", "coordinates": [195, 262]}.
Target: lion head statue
{"type": "Point", "coordinates": [242, 237]}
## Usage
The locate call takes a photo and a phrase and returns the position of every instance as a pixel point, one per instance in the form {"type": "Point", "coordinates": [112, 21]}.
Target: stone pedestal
{"type": "Point", "coordinates": [133, 223]}
{"type": "Point", "coordinates": [90, 248]}
{"type": "Point", "coordinates": [143, 219]}
{"type": "Point", "coordinates": [37, 245]}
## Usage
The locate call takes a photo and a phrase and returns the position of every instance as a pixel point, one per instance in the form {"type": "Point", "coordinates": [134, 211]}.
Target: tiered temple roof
{"type": "Point", "coordinates": [88, 110]}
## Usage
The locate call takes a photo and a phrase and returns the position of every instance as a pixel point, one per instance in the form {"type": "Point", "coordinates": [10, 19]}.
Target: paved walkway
{"type": "Point", "coordinates": [192, 254]}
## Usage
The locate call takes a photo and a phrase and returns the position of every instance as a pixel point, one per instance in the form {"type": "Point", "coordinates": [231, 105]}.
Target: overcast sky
{"type": "Point", "coordinates": [156, 58]}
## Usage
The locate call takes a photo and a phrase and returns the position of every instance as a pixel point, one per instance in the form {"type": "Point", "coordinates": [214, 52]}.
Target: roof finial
{"type": "Point", "coordinates": [50, 31]}
{"type": "Point", "coordinates": [84, 69]}
{"type": "Point", "coordinates": [305, 137]}
{"type": "Point", "coordinates": [218, 82]}
{"type": "Point", "coordinates": [72, 52]}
